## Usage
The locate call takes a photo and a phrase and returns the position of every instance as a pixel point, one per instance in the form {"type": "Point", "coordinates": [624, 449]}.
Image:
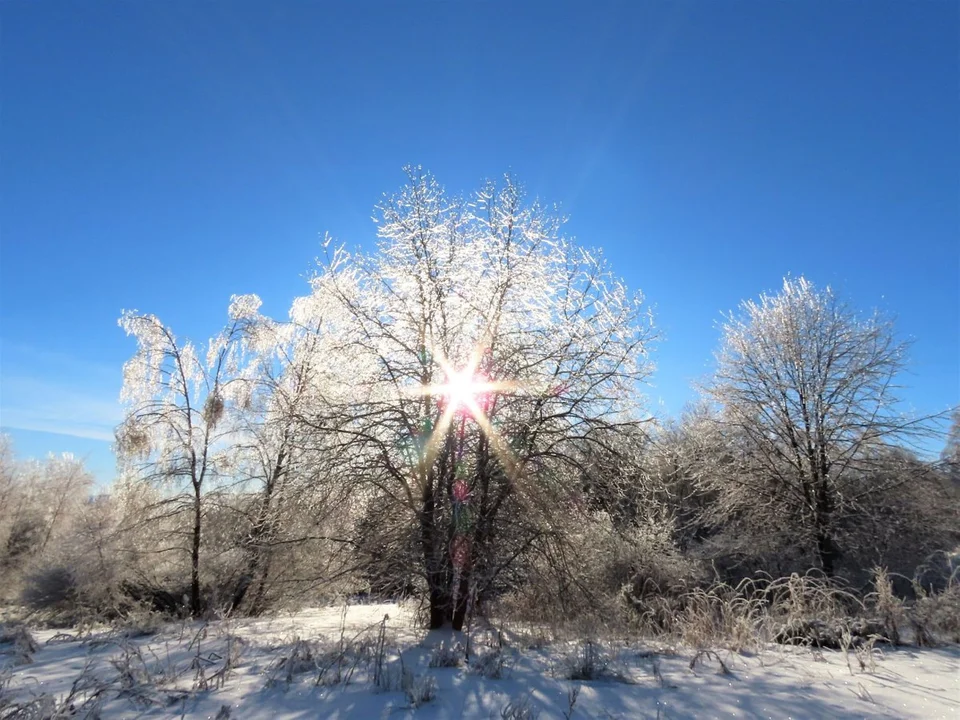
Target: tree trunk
{"type": "Point", "coordinates": [826, 552]}
{"type": "Point", "coordinates": [460, 610]}
{"type": "Point", "coordinates": [437, 586]}
{"type": "Point", "coordinates": [826, 548]}
{"type": "Point", "coordinates": [258, 605]}
{"type": "Point", "coordinates": [195, 608]}
{"type": "Point", "coordinates": [439, 608]}
{"type": "Point", "coordinates": [258, 565]}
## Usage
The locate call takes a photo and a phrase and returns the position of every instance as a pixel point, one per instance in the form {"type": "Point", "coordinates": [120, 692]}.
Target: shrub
{"type": "Point", "coordinates": [519, 709]}
{"type": "Point", "coordinates": [140, 622]}
{"type": "Point", "coordinates": [489, 665]}
{"type": "Point", "coordinates": [24, 644]}
{"type": "Point", "coordinates": [301, 657]}
{"type": "Point", "coordinates": [420, 689]}
{"type": "Point", "coordinates": [719, 616]}
{"type": "Point", "coordinates": [52, 587]}
{"type": "Point", "coordinates": [589, 661]}
{"type": "Point", "coordinates": [887, 605]}
{"type": "Point", "coordinates": [447, 656]}
{"type": "Point", "coordinates": [609, 579]}
{"type": "Point", "coordinates": [586, 662]}
{"type": "Point", "coordinates": [937, 615]}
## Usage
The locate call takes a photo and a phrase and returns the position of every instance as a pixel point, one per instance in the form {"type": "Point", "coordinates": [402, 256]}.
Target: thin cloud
{"type": "Point", "coordinates": [50, 406]}
{"type": "Point", "coordinates": [53, 393]}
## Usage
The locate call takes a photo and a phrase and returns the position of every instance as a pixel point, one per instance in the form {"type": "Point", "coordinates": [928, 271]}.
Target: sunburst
{"type": "Point", "coordinates": [467, 391]}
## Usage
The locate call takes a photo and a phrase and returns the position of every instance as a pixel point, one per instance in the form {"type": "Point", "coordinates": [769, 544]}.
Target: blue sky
{"type": "Point", "coordinates": [164, 155]}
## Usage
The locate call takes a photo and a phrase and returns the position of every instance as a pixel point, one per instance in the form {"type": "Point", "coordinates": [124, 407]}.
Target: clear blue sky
{"type": "Point", "coordinates": [162, 155]}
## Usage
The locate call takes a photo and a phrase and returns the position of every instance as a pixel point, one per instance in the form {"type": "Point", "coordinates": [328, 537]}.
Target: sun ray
{"type": "Point", "coordinates": [500, 447]}
{"type": "Point", "coordinates": [437, 436]}
{"type": "Point", "coordinates": [466, 391]}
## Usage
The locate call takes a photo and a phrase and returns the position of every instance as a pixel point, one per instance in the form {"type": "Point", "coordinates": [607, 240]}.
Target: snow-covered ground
{"type": "Point", "coordinates": [328, 663]}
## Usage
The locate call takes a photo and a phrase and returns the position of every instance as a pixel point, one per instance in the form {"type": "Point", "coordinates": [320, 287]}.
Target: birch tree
{"type": "Point", "coordinates": [176, 426]}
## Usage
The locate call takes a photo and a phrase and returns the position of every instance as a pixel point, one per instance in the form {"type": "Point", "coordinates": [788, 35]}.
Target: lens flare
{"type": "Point", "coordinates": [466, 392]}
{"type": "Point", "coordinates": [463, 389]}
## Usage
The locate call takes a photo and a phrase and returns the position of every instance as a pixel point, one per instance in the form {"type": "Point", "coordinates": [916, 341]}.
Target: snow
{"type": "Point", "coordinates": [640, 681]}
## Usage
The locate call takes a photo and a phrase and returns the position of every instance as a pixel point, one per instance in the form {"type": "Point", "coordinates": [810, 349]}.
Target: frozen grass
{"type": "Point", "coordinates": [370, 661]}
{"type": "Point", "coordinates": [447, 655]}
{"type": "Point", "coordinates": [802, 610]}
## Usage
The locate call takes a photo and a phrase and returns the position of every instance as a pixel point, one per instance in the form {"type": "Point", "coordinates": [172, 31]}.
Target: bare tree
{"type": "Point", "coordinates": [807, 394]}
{"type": "Point", "coordinates": [40, 499]}
{"type": "Point", "coordinates": [284, 469]}
{"type": "Point", "coordinates": [176, 426]}
{"type": "Point", "coordinates": [950, 456]}
{"type": "Point", "coordinates": [462, 369]}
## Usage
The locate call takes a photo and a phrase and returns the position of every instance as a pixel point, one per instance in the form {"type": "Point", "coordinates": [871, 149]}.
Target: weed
{"type": "Point", "coordinates": [573, 694]}
{"type": "Point", "coordinates": [447, 656]}
{"type": "Point", "coordinates": [703, 655]}
{"type": "Point", "coordinates": [888, 606]}
{"type": "Point", "coordinates": [489, 664]}
{"type": "Point", "coordinates": [420, 690]}
{"type": "Point", "coordinates": [520, 709]}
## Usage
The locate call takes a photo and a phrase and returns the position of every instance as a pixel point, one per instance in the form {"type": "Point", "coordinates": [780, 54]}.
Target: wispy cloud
{"type": "Point", "coordinates": [54, 393]}
{"type": "Point", "coordinates": [49, 406]}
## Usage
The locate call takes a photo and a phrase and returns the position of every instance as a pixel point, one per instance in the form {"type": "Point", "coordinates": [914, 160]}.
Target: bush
{"type": "Point", "coordinates": [420, 690]}
{"type": "Point", "coordinates": [50, 588]}
{"type": "Point", "coordinates": [140, 622]}
{"type": "Point", "coordinates": [489, 665]}
{"type": "Point", "coordinates": [447, 656]}
{"type": "Point", "coordinates": [603, 579]}
{"type": "Point", "coordinates": [719, 616]}
{"type": "Point", "coordinates": [937, 615]}
{"type": "Point", "coordinates": [589, 661]}
{"type": "Point", "coordinates": [301, 657]}
{"type": "Point", "coordinates": [24, 644]}
{"type": "Point", "coordinates": [834, 635]}
{"type": "Point", "coordinates": [586, 662]}
{"type": "Point", "coordinates": [519, 709]}
{"type": "Point", "coordinates": [888, 607]}
{"type": "Point", "coordinates": [938, 571]}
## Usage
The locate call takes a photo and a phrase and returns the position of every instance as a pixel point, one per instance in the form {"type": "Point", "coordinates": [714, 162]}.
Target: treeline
{"type": "Point", "coordinates": [456, 417]}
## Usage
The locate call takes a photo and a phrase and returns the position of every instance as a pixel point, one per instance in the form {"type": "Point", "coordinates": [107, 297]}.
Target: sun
{"type": "Point", "coordinates": [462, 389]}
{"type": "Point", "coordinates": [468, 393]}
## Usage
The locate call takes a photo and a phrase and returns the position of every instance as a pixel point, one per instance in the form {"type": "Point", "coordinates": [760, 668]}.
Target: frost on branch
{"type": "Point", "coordinates": [489, 284]}
{"type": "Point", "coordinates": [244, 307]}
{"type": "Point", "coordinates": [177, 421]}
{"type": "Point", "coordinates": [807, 391]}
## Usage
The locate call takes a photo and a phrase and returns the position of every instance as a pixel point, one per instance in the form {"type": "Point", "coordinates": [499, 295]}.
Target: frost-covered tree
{"type": "Point", "coordinates": [951, 450]}
{"type": "Point", "coordinates": [41, 498]}
{"type": "Point", "coordinates": [41, 503]}
{"type": "Point", "coordinates": [807, 392]}
{"type": "Point", "coordinates": [459, 372]}
{"type": "Point", "coordinates": [177, 424]}
{"type": "Point", "coordinates": [291, 506]}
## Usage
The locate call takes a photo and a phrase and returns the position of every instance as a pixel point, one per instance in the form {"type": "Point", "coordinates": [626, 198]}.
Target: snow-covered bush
{"type": "Point", "coordinates": [447, 655]}
{"type": "Point", "coordinates": [936, 616]}
{"type": "Point", "coordinates": [609, 578]}
{"type": "Point", "coordinates": [718, 616]}
{"type": "Point", "coordinates": [298, 657]}
{"type": "Point", "coordinates": [23, 644]}
{"type": "Point", "coordinates": [519, 709]}
{"type": "Point", "coordinates": [587, 661]}
{"type": "Point", "coordinates": [52, 587]}
{"type": "Point", "coordinates": [420, 689]}
{"type": "Point", "coordinates": [889, 608]}
{"type": "Point", "coordinates": [489, 664]}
